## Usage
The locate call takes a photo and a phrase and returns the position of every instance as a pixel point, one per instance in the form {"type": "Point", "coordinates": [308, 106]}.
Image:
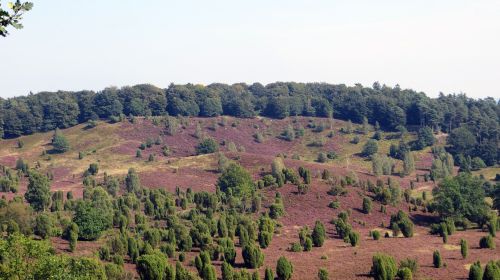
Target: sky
{"type": "Point", "coordinates": [449, 46]}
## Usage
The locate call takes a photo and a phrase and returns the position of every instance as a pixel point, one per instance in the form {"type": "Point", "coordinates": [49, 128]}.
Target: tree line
{"type": "Point", "coordinates": [473, 123]}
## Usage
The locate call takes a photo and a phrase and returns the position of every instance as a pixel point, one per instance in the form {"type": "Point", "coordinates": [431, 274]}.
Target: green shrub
{"type": "Point", "coordinates": [207, 146]}
{"type": "Point", "coordinates": [334, 204]}
{"type": "Point", "coordinates": [322, 274]}
{"type": "Point", "coordinates": [269, 274]}
{"type": "Point", "coordinates": [487, 242]}
{"type": "Point", "coordinates": [405, 274]}
{"type": "Point", "coordinates": [296, 247]}
{"type": "Point", "coordinates": [383, 267]}
{"type": "Point", "coordinates": [436, 259]}
{"type": "Point", "coordinates": [252, 256]}
{"type": "Point", "coordinates": [492, 271]}
{"type": "Point", "coordinates": [151, 266]}
{"type": "Point", "coordinates": [318, 234]}
{"type": "Point", "coordinates": [411, 264]}
{"type": "Point", "coordinates": [376, 235]}
{"type": "Point", "coordinates": [475, 271]}
{"type": "Point", "coordinates": [354, 238]}
{"type": "Point", "coordinates": [464, 248]}
{"type": "Point", "coordinates": [284, 269]}
{"type": "Point", "coordinates": [367, 205]}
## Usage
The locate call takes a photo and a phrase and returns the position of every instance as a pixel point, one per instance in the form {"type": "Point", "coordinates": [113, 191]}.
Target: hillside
{"type": "Point", "coordinates": [114, 146]}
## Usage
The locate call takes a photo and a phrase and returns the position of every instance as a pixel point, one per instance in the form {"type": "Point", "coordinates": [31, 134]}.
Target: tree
{"type": "Point", "coordinates": [59, 142]}
{"type": "Point", "coordinates": [13, 18]}
{"type": "Point", "coordinates": [207, 146]}
{"type": "Point", "coordinates": [460, 196]}
{"type": "Point", "coordinates": [132, 182]}
{"type": "Point", "coordinates": [370, 148]}
{"type": "Point", "coordinates": [425, 138]}
{"type": "Point", "coordinates": [237, 180]}
{"type": "Point", "coordinates": [43, 226]}
{"type": "Point", "coordinates": [318, 234]}
{"type": "Point", "coordinates": [91, 220]}
{"type": "Point", "coordinates": [284, 269]}
{"type": "Point", "coordinates": [38, 192]}
{"type": "Point", "coordinates": [383, 267]}
{"type": "Point", "coordinates": [408, 163]}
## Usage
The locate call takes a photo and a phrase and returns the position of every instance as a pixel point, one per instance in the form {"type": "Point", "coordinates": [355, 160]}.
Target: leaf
{"type": "Point", "coordinates": [17, 25]}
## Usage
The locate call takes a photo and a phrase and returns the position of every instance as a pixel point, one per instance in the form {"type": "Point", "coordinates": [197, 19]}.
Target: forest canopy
{"type": "Point", "coordinates": [473, 122]}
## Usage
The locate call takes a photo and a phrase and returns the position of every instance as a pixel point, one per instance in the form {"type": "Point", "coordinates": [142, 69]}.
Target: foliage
{"type": "Point", "coordinates": [252, 256]}
{"type": "Point", "coordinates": [370, 148]}
{"type": "Point", "coordinates": [59, 142]}
{"type": "Point", "coordinates": [436, 259]}
{"type": "Point", "coordinates": [284, 269]}
{"type": "Point", "coordinates": [475, 271]}
{"type": "Point", "coordinates": [403, 222]}
{"type": "Point", "coordinates": [236, 180]}
{"type": "Point", "coordinates": [38, 192]}
{"type": "Point", "coordinates": [318, 234]}
{"type": "Point", "coordinates": [460, 197]}
{"type": "Point", "coordinates": [383, 267]}
{"type": "Point", "coordinates": [487, 242]}
{"type": "Point", "coordinates": [91, 220]}
{"type": "Point", "coordinates": [207, 146]}
{"type": "Point", "coordinates": [13, 18]}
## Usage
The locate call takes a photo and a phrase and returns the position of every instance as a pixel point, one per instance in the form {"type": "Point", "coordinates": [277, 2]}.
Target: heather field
{"type": "Point", "coordinates": [114, 146]}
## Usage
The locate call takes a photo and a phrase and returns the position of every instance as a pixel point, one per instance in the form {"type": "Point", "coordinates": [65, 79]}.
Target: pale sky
{"type": "Point", "coordinates": [451, 46]}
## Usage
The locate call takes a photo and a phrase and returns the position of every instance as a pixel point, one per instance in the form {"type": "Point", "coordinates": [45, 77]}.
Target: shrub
{"type": "Point", "coordinates": [464, 248]}
{"type": "Point", "coordinates": [91, 221]}
{"type": "Point", "coordinates": [475, 271]}
{"type": "Point", "coordinates": [411, 264]}
{"type": "Point", "coordinates": [354, 238]}
{"type": "Point", "coordinates": [43, 226]}
{"type": "Point", "coordinates": [269, 274]}
{"type": "Point", "coordinates": [296, 247]}
{"type": "Point", "coordinates": [487, 242]}
{"type": "Point", "coordinates": [322, 157]}
{"type": "Point", "coordinates": [318, 234]}
{"type": "Point", "coordinates": [492, 271]}
{"type": "Point", "coordinates": [252, 256]}
{"type": "Point", "coordinates": [284, 269]}
{"type": "Point", "coordinates": [405, 274]}
{"type": "Point", "coordinates": [93, 169]}
{"type": "Point", "coordinates": [376, 235]}
{"type": "Point", "coordinates": [334, 204]}
{"type": "Point", "coordinates": [59, 142]}
{"type": "Point", "coordinates": [436, 259]}
{"type": "Point", "coordinates": [151, 266]}
{"type": "Point", "coordinates": [400, 221]}
{"type": "Point", "coordinates": [207, 146]}
{"type": "Point", "coordinates": [370, 148]}
{"type": "Point", "coordinates": [322, 274]}
{"type": "Point", "coordinates": [383, 267]}
{"type": "Point", "coordinates": [235, 179]}
{"type": "Point", "coordinates": [367, 205]}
